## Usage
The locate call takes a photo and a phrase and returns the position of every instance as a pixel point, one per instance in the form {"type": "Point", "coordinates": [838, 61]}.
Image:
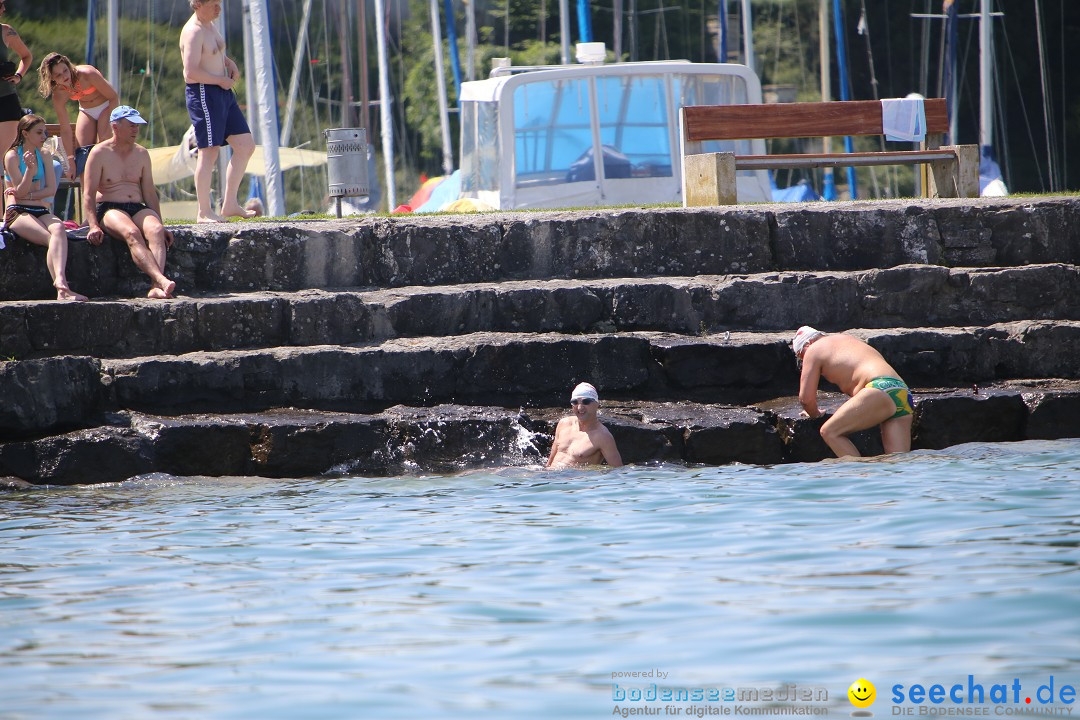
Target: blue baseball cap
{"type": "Point", "coordinates": [126, 112]}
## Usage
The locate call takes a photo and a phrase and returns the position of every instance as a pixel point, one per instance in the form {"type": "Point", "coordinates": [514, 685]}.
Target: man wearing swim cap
{"type": "Point", "coordinates": [581, 439]}
{"type": "Point", "coordinates": [878, 395]}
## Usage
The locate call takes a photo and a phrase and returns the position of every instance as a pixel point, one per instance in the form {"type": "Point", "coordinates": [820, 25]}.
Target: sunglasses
{"type": "Point", "coordinates": [582, 401]}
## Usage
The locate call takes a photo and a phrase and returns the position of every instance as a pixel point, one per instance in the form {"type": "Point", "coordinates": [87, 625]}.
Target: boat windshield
{"type": "Point", "coordinates": [479, 146]}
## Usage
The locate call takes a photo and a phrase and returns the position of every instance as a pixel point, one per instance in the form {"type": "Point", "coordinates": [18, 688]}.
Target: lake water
{"type": "Point", "coordinates": [519, 592]}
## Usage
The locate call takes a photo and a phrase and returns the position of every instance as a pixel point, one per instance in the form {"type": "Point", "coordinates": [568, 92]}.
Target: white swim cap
{"type": "Point", "coordinates": [584, 390]}
{"type": "Point", "coordinates": [803, 337]}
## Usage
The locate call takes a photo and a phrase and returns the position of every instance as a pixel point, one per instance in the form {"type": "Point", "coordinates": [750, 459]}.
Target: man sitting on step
{"type": "Point", "coordinates": [119, 197]}
{"type": "Point", "coordinates": [581, 439]}
{"type": "Point", "coordinates": [878, 395]}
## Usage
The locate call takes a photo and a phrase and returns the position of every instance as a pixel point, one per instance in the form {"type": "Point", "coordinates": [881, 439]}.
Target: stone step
{"type": "Point", "coordinates": [442, 250]}
{"type": "Point", "coordinates": [297, 443]}
{"type": "Point", "coordinates": [904, 296]}
{"type": "Point", "coordinates": [508, 369]}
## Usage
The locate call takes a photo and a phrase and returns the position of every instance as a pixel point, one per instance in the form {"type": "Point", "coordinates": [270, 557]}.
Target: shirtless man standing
{"type": "Point", "coordinates": [215, 114]}
{"type": "Point", "coordinates": [581, 439]}
{"type": "Point", "coordinates": [878, 395]}
{"type": "Point", "coordinates": [119, 196]}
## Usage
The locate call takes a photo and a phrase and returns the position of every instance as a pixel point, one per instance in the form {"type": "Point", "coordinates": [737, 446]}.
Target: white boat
{"type": "Point", "coordinates": [594, 134]}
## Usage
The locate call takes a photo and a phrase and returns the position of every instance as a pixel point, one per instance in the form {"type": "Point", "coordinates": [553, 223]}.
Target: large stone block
{"type": "Point", "coordinates": [438, 250]}
{"type": "Point", "coordinates": [481, 368]}
{"type": "Point", "coordinates": [1009, 231]}
{"type": "Point", "coordinates": [209, 445]}
{"type": "Point", "coordinates": [741, 365]}
{"type": "Point", "coordinates": [450, 438]}
{"type": "Point", "coordinates": [295, 443]}
{"type": "Point", "coordinates": [801, 435]}
{"type": "Point", "coordinates": [98, 455]}
{"type": "Point", "coordinates": [716, 435]}
{"type": "Point", "coordinates": [944, 419]}
{"type": "Point", "coordinates": [48, 394]}
{"type": "Point", "coordinates": [781, 301]}
{"type": "Point", "coordinates": [1053, 414]}
{"type": "Point", "coordinates": [855, 236]}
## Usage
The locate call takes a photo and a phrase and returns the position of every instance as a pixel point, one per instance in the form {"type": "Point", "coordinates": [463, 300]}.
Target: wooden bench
{"type": "Point", "coordinates": [709, 178]}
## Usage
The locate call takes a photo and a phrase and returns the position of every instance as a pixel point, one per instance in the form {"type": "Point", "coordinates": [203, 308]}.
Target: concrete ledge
{"type": "Point", "coordinates": [424, 250]}
{"type": "Point", "coordinates": [448, 438]}
{"type": "Point", "coordinates": [50, 394]}
{"type": "Point", "coordinates": [511, 369]}
{"type": "Point", "coordinates": [904, 296]}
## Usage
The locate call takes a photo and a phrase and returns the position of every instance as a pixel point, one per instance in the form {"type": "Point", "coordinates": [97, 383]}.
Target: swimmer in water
{"type": "Point", "coordinates": [581, 439]}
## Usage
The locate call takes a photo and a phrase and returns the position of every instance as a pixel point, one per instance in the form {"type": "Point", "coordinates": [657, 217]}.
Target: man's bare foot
{"type": "Point", "coordinates": [164, 290]}
{"type": "Point", "coordinates": [212, 217]}
{"type": "Point", "coordinates": [236, 211]}
{"type": "Point", "coordinates": [63, 293]}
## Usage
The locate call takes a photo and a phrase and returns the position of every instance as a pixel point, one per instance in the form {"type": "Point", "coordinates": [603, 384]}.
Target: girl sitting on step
{"type": "Point", "coordinates": [30, 186]}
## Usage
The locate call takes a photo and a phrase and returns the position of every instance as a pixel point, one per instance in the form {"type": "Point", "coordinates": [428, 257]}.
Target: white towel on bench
{"type": "Point", "coordinates": [903, 119]}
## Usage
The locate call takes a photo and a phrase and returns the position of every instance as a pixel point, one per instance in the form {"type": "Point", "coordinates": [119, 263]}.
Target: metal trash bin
{"type": "Point", "coordinates": [346, 163]}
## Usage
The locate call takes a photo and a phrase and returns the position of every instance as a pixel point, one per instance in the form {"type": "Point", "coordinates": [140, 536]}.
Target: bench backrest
{"type": "Point", "coordinates": [796, 120]}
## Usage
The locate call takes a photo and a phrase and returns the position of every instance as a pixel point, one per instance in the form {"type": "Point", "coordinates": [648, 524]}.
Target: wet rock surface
{"type": "Point", "coordinates": [448, 438]}
{"type": "Point", "coordinates": [509, 369]}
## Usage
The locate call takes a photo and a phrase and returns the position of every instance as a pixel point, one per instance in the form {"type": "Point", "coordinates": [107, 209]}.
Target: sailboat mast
{"type": "Point", "coordinates": [584, 21]}
{"type": "Point", "coordinates": [114, 45]}
{"type": "Point", "coordinates": [470, 39]}
{"type": "Point", "coordinates": [267, 99]}
{"type": "Point", "coordinates": [564, 31]}
{"type": "Point", "coordinates": [385, 118]}
{"type": "Point", "coordinates": [748, 34]}
{"type": "Point", "coordinates": [828, 190]}
{"type": "Point", "coordinates": [841, 61]}
{"type": "Point", "coordinates": [986, 84]}
{"type": "Point", "coordinates": [346, 64]}
{"type": "Point", "coordinates": [365, 93]}
{"type": "Point", "coordinates": [721, 19]}
{"type": "Point", "coordinates": [440, 83]}
{"type": "Point", "coordinates": [294, 79]}
{"type": "Point", "coordinates": [617, 30]}
{"type": "Point", "coordinates": [91, 26]}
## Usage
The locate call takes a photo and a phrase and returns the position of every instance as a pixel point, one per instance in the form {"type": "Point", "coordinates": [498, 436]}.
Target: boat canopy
{"type": "Point", "coordinates": [581, 135]}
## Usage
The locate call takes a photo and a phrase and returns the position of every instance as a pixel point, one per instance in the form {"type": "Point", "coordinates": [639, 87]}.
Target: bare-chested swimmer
{"type": "Point", "coordinates": [581, 439]}
{"type": "Point", "coordinates": [878, 395]}
{"type": "Point", "coordinates": [120, 199]}
{"type": "Point", "coordinates": [210, 75]}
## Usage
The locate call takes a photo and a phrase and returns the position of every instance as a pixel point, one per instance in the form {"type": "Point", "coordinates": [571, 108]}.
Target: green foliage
{"type": "Point", "coordinates": [149, 60]}
{"type": "Point", "coordinates": [785, 40]}
{"type": "Point", "coordinates": [419, 94]}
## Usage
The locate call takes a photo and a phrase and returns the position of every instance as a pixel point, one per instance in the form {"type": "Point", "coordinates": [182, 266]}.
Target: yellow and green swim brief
{"type": "Point", "coordinates": [898, 390]}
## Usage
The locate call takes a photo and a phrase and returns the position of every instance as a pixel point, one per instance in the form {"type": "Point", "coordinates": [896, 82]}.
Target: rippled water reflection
{"type": "Point", "coordinates": [518, 593]}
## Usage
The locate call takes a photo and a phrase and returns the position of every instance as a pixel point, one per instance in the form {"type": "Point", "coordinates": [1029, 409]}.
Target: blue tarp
{"type": "Point", "coordinates": [800, 192]}
{"type": "Point", "coordinates": [989, 170]}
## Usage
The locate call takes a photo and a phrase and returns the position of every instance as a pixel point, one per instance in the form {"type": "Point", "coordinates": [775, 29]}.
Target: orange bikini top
{"type": "Point", "coordinates": [77, 93]}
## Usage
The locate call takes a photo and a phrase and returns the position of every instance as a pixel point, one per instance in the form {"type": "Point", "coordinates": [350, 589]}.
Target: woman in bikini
{"type": "Point", "coordinates": [86, 85]}
{"type": "Point", "coordinates": [11, 74]}
{"type": "Point", "coordinates": [31, 184]}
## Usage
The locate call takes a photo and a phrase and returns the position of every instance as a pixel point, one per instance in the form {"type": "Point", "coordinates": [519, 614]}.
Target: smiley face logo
{"type": "Point", "coordinates": [862, 693]}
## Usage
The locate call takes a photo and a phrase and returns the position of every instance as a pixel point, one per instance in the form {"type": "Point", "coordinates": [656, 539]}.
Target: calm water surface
{"type": "Point", "coordinates": [517, 593]}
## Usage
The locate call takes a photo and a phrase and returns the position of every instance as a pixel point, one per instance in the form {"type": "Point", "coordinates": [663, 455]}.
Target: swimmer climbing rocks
{"type": "Point", "coordinates": [878, 394]}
